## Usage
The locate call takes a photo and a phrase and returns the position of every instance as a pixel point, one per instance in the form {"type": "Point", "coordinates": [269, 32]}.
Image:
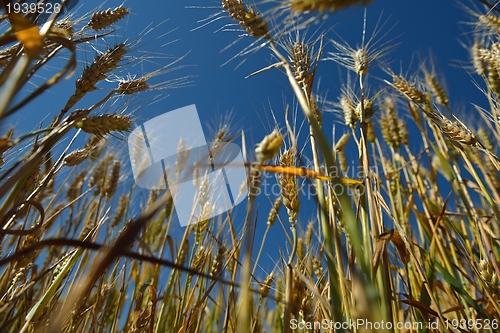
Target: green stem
{"type": "Point", "coordinates": [345, 202]}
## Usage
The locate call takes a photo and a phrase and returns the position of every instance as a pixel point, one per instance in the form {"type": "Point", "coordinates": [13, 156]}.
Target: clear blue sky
{"type": "Point", "coordinates": [424, 28]}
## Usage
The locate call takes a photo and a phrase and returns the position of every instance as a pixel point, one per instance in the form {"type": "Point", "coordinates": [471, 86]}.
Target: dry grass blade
{"type": "Point", "coordinates": [62, 43]}
{"type": "Point", "coordinates": [247, 18]}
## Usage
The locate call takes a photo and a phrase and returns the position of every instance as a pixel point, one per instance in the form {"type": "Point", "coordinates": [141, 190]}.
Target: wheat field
{"type": "Point", "coordinates": [408, 243]}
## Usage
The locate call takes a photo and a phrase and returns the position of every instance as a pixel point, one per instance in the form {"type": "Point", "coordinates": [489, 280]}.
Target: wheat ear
{"type": "Point", "coordinates": [96, 72]}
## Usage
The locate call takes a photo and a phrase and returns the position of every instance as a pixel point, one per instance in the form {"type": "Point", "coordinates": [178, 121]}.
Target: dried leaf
{"type": "Point", "coordinates": [27, 33]}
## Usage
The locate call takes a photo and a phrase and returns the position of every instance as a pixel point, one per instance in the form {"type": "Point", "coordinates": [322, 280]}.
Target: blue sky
{"type": "Point", "coordinates": [424, 29]}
